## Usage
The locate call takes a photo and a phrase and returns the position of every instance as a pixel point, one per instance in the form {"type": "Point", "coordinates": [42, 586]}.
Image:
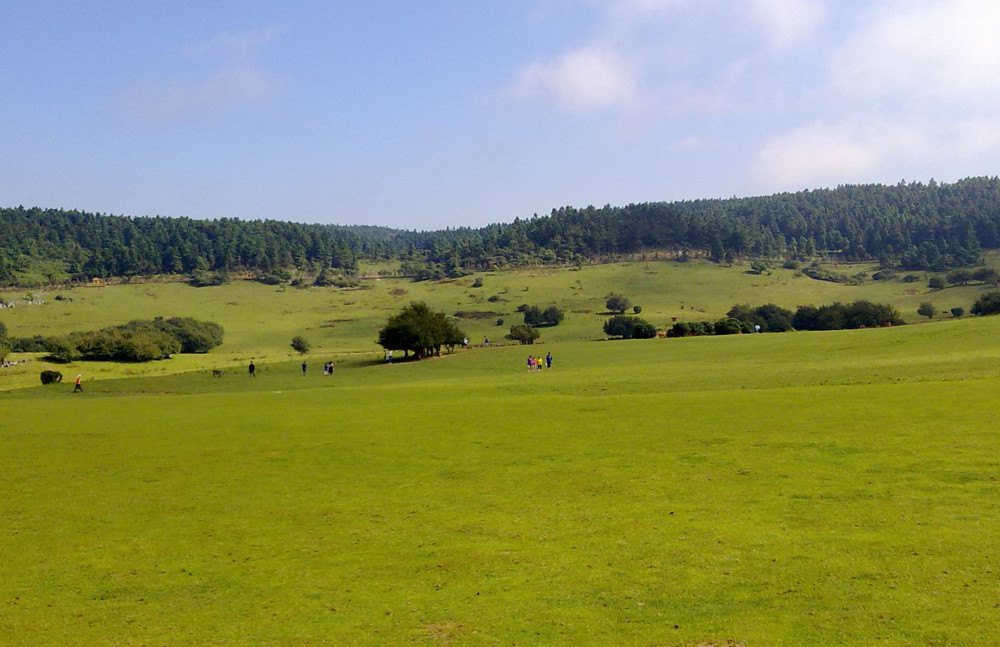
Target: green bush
{"type": "Point", "coordinates": [301, 344]}
{"type": "Point", "coordinates": [51, 377]}
{"type": "Point", "coordinates": [194, 336]}
{"type": "Point", "coordinates": [629, 327]}
{"type": "Point", "coordinates": [988, 304]}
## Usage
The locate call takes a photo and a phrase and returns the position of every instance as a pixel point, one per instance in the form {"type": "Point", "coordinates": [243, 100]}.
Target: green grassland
{"type": "Point", "coordinates": [791, 489]}
{"type": "Point", "coordinates": [260, 320]}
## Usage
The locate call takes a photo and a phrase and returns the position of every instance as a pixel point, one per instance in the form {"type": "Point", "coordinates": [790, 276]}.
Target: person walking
{"type": "Point", "coordinates": [548, 360]}
{"type": "Point", "coordinates": [77, 387]}
{"type": "Point", "coordinates": [303, 368]}
{"type": "Point", "coordinates": [252, 369]}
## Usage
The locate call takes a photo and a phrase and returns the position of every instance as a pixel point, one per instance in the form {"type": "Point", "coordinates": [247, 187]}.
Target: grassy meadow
{"type": "Point", "coordinates": [792, 489]}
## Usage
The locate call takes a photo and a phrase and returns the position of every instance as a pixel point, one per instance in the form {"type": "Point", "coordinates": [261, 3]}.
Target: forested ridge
{"type": "Point", "coordinates": [912, 226]}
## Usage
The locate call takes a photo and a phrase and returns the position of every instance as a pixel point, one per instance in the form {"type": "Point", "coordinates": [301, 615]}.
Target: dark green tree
{"type": "Point", "coordinates": [987, 304]}
{"type": "Point", "coordinates": [418, 330]}
{"type": "Point", "coordinates": [617, 303]}
{"type": "Point", "coordinates": [926, 309]}
{"type": "Point", "coordinates": [523, 333]}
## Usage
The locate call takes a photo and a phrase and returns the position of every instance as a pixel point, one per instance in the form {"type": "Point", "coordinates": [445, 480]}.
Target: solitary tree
{"type": "Point", "coordinates": [523, 333]}
{"type": "Point", "coordinates": [300, 344]}
{"type": "Point", "coordinates": [926, 309]}
{"type": "Point", "coordinates": [617, 303]}
{"type": "Point", "coordinates": [419, 330]}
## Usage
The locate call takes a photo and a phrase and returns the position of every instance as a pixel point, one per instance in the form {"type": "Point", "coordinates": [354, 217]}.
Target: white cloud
{"type": "Point", "coordinates": [857, 150]}
{"type": "Point", "coordinates": [913, 87]}
{"type": "Point", "coordinates": [919, 52]}
{"type": "Point", "coordinates": [788, 22]}
{"type": "Point", "coordinates": [591, 78]}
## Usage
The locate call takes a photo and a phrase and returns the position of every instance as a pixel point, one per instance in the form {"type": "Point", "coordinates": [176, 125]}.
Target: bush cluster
{"type": "Point", "coordinates": [629, 327]}
{"type": "Point", "coordinates": [724, 326]}
{"type": "Point", "coordinates": [988, 304]}
{"type": "Point", "coordinates": [743, 318]}
{"type": "Point", "coordinates": [536, 316]}
{"type": "Point", "coordinates": [136, 341]}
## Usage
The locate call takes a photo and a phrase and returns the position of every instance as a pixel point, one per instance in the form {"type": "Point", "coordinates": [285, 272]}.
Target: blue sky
{"type": "Point", "coordinates": [425, 115]}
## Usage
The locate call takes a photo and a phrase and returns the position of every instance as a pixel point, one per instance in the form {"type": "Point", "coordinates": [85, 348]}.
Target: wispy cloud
{"type": "Point", "coordinates": [585, 79]}
{"type": "Point", "coordinates": [223, 77]}
{"type": "Point", "coordinates": [788, 22]}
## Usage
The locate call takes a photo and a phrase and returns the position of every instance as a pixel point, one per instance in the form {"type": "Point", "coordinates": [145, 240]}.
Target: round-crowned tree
{"type": "Point", "coordinates": [617, 303]}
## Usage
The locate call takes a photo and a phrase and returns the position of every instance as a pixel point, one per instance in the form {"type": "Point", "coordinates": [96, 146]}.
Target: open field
{"type": "Point", "coordinates": [796, 489]}
{"type": "Point", "coordinates": [342, 325]}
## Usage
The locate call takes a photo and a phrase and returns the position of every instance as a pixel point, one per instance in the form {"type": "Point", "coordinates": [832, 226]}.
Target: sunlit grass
{"type": "Point", "coordinates": [799, 489]}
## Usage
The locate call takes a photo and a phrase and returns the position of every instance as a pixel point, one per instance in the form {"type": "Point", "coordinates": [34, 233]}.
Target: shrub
{"type": "Point", "coordinates": [535, 316]}
{"type": "Point", "coordinates": [816, 272]}
{"type": "Point", "coordinates": [988, 304]}
{"type": "Point", "coordinates": [50, 377]}
{"type": "Point", "coordinates": [957, 312]}
{"type": "Point", "coordinates": [926, 309]}
{"type": "Point", "coordinates": [203, 279]}
{"type": "Point", "coordinates": [301, 345]}
{"type": "Point", "coordinates": [643, 330]}
{"type": "Point", "coordinates": [936, 283]}
{"type": "Point", "coordinates": [194, 336]}
{"type": "Point", "coordinates": [61, 350]}
{"type": "Point", "coordinates": [883, 275]}
{"type": "Point", "coordinates": [629, 327]}
{"type": "Point", "coordinates": [728, 326]}
{"type": "Point", "coordinates": [636, 309]}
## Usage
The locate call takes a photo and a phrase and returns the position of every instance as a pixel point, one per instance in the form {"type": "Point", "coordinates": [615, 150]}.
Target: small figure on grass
{"type": "Point", "coordinates": [77, 386]}
{"type": "Point", "coordinates": [252, 369]}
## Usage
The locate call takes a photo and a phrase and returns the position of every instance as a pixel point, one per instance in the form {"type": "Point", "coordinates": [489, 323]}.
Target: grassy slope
{"type": "Point", "coordinates": [261, 320]}
{"type": "Point", "coordinates": [802, 489]}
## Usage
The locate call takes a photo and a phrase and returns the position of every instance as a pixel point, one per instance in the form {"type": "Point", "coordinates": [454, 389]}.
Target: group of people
{"type": "Point", "coordinates": [537, 363]}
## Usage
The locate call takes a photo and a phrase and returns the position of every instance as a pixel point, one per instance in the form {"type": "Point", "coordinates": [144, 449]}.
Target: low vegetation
{"type": "Point", "coordinates": [136, 341]}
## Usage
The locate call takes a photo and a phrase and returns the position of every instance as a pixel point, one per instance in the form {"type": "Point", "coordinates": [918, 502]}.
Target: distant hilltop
{"type": "Point", "coordinates": [911, 226]}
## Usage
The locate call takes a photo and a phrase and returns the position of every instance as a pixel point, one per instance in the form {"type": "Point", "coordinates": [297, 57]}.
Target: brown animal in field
{"type": "Point", "coordinates": [216, 373]}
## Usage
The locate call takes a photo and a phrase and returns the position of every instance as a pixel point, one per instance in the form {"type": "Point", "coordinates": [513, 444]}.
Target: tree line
{"type": "Point", "coordinates": [911, 226]}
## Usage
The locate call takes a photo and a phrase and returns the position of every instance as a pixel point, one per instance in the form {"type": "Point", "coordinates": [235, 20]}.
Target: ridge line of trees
{"type": "Point", "coordinates": [912, 226]}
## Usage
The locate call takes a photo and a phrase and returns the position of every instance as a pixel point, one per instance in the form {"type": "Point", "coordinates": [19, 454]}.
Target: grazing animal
{"type": "Point", "coordinates": [216, 373]}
